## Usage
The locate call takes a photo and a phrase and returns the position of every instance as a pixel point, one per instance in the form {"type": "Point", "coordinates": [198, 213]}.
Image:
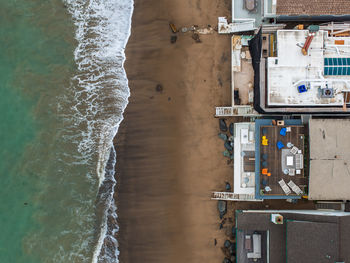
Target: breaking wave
{"type": "Point", "coordinates": [100, 91]}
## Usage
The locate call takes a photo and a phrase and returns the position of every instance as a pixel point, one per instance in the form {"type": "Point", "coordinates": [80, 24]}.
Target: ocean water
{"type": "Point", "coordinates": [63, 93]}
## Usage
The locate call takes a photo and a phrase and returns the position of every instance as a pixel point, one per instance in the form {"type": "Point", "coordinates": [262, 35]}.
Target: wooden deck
{"type": "Point", "coordinates": [271, 158]}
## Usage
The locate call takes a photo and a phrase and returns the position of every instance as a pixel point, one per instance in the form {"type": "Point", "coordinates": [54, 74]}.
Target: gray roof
{"type": "Point", "coordinates": [302, 238]}
{"type": "Point", "coordinates": [312, 242]}
{"type": "Point", "coordinates": [329, 159]}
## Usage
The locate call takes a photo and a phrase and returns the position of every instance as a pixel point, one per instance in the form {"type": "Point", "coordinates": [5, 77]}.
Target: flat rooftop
{"type": "Point", "coordinates": [281, 163]}
{"type": "Point", "coordinates": [325, 82]}
{"type": "Point", "coordinates": [329, 159]}
{"type": "Point", "coordinates": [304, 236]}
{"type": "Point", "coordinates": [252, 11]}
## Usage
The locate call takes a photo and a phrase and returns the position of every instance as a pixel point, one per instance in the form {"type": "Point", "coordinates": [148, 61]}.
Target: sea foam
{"type": "Point", "coordinates": [100, 91]}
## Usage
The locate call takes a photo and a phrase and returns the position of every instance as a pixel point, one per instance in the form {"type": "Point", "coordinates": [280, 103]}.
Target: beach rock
{"type": "Point", "coordinates": [226, 260]}
{"type": "Point", "coordinates": [159, 88]}
{"type": "Point", "coordinates": [234, 234]}
{"type": "Point", "coordinates": [222, 125]}
{"type": "Point", "coordinates": [222, 136]}
{"type": "Point", "coordinates": [231, 128]}
{"type": "Point", "coordinates": [196, 38]}
{"type": "Point", "coordinates": [222, 207]}
{"type": "Point", "coordinates": [228, 186]}
{"type": "Point", "coordinates": [173, 39]}
{"type": "Point", "coordinates": [228, 146]}
{"type": "Point", "coordinates": [227, 243]}
{"type": "Point", "coordinates": [232, 249]}
{"type": "Point", "coordinates": [227, 154]}
{"type": "Point", "coordinates": [236, 97]}
{"type": "Point", "coordinates": [228, 232]}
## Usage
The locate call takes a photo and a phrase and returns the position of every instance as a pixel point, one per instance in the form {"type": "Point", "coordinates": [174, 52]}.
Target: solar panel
{"type": "Point", "coordinates": [337, 66]}
{"type": "Point", "coordinates": [326, 70]}
{"type": "Point", "coordinates": [339, 61]}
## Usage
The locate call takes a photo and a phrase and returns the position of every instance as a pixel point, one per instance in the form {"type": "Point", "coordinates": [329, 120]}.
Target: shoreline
{"type": "Point", "coordinates": [168, 156]}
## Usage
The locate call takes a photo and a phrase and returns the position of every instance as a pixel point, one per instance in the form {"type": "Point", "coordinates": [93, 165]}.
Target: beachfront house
{"type": "Point", "coordinates": [288, 57]}
{"type": "Point", "coordinates": [288, 159]}
{"type": "Point", "coordinates": [293, 236]}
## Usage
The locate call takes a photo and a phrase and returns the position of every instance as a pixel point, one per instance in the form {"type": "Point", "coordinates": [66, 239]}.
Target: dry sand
{"type": "Point", "coordinates": [169, 155]}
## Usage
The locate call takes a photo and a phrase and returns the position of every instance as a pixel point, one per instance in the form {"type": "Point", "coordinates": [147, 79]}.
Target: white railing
{"type": "Point", "coordinates": [241, 110]}
{"type": "Point", "coordinates": [223, 111]}
{"type": "Point", "coordinates": [230, 196]}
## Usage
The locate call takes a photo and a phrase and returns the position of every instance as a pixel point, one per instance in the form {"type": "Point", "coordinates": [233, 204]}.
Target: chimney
{"type": "Point", "coordinates": [277, 219]}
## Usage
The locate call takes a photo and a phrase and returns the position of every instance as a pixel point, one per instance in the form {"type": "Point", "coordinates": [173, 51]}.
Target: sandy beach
{"type": "Point", "coordinates": [169, 155]}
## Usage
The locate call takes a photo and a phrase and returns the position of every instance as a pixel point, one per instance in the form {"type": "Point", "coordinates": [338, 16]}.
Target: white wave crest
{"type": "Point", "coordinates": [100, 89]}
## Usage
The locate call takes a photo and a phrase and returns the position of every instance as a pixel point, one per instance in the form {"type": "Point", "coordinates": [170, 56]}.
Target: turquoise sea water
{"type": "Point", "coordinates": [63, 90]}
{"type": "Point", "coordinates": [30, 55]}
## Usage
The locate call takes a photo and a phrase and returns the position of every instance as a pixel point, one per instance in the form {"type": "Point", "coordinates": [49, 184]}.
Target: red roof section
{"type": "Point", "coordinates": [313, 7]}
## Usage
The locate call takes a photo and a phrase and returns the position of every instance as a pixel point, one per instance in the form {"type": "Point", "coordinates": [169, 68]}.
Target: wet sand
{"type": "Point", "coordinates": [169, 157]}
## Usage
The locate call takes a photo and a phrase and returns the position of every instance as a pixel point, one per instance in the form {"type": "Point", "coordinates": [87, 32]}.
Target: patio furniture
{"type": "Point", "coordinates": [283, 131]}
{"type": "Point", "coordinates": [294, 150]}
{"type": "Point", "coordinates": [268, 188]}
{"type": "Point", "coordinates": [284, 187]}
{"type": "Point", "coordinates": [299, 161]}
{"type": "Point", "coordinates": [296, 189]}
{"type": "Point", "coordinates": [264, 171]}
{"type": "Point", "coordinates": [280, 145]}
{"type": "Point", "coordinates": [291, 172]}
{"type": "Point", "coordinates": [265, 141]}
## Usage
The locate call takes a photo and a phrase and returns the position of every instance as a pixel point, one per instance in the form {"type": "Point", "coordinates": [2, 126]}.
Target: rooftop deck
{"type": "Point", "coordinates": [285, 163]}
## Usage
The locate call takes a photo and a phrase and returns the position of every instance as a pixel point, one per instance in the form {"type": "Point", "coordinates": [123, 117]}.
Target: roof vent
{"type": "Point", "coordinates": [327, 93]}
{"type": "Point", "coordinates": [277, 219]}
